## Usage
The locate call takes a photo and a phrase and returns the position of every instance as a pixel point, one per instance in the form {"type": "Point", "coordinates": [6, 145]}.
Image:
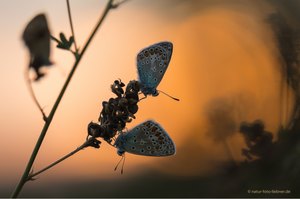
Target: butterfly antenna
{"type": "Point", "coordinates": [143, 97]}
{"type": "Point", "coordinates": [168, 95]}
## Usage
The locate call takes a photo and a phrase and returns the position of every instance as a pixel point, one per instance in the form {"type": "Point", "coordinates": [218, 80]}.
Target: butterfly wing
{"type": "Point", "coordinates": [152, 63]}
{"type": "Point", "coordinates": [148, 139]}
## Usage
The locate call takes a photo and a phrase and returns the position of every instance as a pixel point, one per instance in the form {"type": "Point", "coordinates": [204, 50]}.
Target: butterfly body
{"type": "Point", "coordinates": [148, 139]}
{"type": "Point", "coordinates": [152, 63]}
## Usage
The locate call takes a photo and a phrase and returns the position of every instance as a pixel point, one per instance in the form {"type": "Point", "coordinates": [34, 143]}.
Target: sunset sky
{"type": "Point", "coordinates": [224, 51]}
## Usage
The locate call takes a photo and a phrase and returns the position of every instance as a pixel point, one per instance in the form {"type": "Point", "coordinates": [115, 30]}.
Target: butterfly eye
{"type": "Point", "coordinates": [147, 62]}
{"type": "Point", "coordinates": [160, 71]}
{"type": "Point", "coordinates": [149, 147]}
{"type": "Point", "coordinates": [155, 79]}
{"type": "Point", "coordinates": [133, 148]}
{"type": "Point", "coordinates": [134, 141]}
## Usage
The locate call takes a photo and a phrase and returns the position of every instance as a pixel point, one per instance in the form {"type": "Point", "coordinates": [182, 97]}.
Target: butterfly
{"type": "Point", "coordinates": [152, 63]}
{"type": "Point", "coordinates": [148, 139]}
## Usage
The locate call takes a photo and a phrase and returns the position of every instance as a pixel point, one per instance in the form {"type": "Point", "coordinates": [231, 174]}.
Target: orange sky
{"type": "Point", "coordinates": [221, 51]}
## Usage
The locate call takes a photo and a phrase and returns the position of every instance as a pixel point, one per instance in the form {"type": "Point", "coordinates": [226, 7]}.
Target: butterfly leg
{"type": "Point", "coordinates": [145, 96]}
{"type": "Point", "coordinates": [122, 158]}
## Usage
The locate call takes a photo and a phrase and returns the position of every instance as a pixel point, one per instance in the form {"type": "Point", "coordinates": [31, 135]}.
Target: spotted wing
{"type": "Point", "coordinates": [148, 139]}
{"type": "Point", "coordinates": [152, 63]}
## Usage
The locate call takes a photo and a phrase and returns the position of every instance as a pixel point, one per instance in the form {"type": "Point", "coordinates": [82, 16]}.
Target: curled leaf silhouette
{"type": "Point", "coordinates": [37, 38]}
{"type": "Point", "coordinates": [64, 43]}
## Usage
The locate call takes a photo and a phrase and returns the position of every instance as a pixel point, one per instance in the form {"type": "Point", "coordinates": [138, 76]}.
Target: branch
{"type": "Point", "coordinates": [91, 142]}
{"type": "Point", "coordinates": [71, 25]}
{"type": "Point", "coordinates": [29, 85]}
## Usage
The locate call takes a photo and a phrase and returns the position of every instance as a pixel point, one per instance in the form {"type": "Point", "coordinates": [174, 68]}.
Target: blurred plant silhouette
{"type": "Point", "coordinates": [258, 141]}
{"type": "Point", "coordinates": [37, 38]}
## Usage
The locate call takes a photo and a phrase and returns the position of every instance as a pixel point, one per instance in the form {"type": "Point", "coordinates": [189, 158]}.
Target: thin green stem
{"type": "Point", "coordinates": [50, 117]}
{"type": "Point", "coordinates": [71, 25]}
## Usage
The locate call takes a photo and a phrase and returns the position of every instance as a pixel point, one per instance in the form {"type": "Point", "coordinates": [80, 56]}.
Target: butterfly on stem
{"type": "Point", "coordinates": [148, 139]}
{"type": "Point", "coordinates": [152, 63]}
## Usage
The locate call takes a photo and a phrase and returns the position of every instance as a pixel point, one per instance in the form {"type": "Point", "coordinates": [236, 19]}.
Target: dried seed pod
{"type": "Point", "coordinates": [37, 38]}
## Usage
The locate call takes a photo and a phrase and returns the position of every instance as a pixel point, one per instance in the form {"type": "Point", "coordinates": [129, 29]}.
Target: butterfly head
{"type": "Point", "coordinates": [119, 144]}
{"type": "Point", "coordinates": [149, 91]}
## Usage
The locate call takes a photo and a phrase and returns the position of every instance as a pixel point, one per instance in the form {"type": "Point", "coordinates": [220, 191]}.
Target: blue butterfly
{"type": "Point", "coordinates": [152, 63]}
{"type": "Point", "coordinates": [148, 139]}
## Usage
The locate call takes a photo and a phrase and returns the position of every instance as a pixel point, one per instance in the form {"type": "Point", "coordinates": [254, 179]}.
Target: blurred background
{"type": "Point", "coordinates": [229, 66]}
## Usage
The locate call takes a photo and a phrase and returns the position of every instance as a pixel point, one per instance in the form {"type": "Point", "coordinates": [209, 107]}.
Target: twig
{"type": "Point", "coordinates": [55, 39]}
{"type": "Point", "coordinates": [115, 5]}
{"type": "Point", "coordinates": [90, 142]}
{"type": "Point", "coordinates": [71, 24]}
{"type": "Point", "coordinates": [25, 175]}
{"type": "Point", "coordinates": [29, 85]}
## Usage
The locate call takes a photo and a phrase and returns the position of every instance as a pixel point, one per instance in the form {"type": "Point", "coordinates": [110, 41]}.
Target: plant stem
{"type": "Point", "coordinates": [71, 24]}
{"type": "Point", "coordinates": [50, 117]}
{"type": "Point", "coordinates": [87, 143]}
{"type": "Point", "coordinates": [54, 39]}
{"type": "Point", "coordinates": [119, 3]}
{"type": "Point", "coordinates": [29, 85]}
